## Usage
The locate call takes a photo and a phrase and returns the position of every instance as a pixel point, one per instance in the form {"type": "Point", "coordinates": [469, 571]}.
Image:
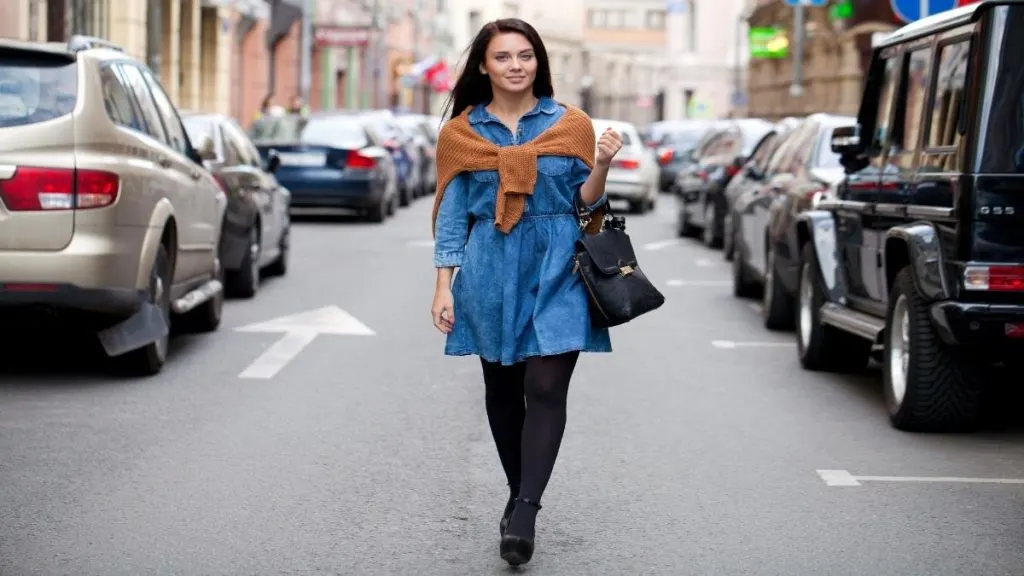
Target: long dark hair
{"type": "Point", "coordinates": [474, 88]}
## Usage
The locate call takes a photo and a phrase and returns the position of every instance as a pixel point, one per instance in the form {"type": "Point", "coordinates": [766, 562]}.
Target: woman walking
{"type": "Point", "coordinates": [515, 171]}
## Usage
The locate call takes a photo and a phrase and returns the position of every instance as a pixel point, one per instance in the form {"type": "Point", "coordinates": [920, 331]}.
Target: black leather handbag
{"type": "Point", "coordinates": [618, 290]}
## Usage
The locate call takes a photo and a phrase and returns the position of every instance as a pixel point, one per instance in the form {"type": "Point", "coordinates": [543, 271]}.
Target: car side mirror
{"type": "Point", "coordinates": [273, 162]}
{"type": "Point", "coordinates": [206, 149]}
{"type": "Point", "coordinates": [846, 141]}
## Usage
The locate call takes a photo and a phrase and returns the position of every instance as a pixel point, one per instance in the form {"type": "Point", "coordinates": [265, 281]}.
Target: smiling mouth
{"type": "Point", "coordinates": [513, 78]}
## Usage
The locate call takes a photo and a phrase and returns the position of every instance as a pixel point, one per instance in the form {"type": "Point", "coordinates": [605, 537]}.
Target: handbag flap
{"type": "Point", "coordinates": [609, 250]}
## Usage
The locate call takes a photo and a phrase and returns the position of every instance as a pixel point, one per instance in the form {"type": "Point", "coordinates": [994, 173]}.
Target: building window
{"type": "Point", "coordinates": [615, 19]}
{"type": "Point", "coordinates": [656, 19]}
{"type": "Point", "coordinates": [691, 10]}
{"type": "Point", "coordinates": [598, 18]}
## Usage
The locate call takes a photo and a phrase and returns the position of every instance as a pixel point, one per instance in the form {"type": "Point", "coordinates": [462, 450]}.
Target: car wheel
{"type": "Point", "coordinates": [710, 217]}
{"type": "Point", "coordinates": [821, 347]}
{"type": "Point", "coordinates": [728, 238]}
{"type": "Point", "coordinates": [245, 282]}
{"type": "Point", "coordinates": [150, 359]}
{"type": "Point", "coordinates": [207, 317]}
{"type": "Point", "coordinates": [777, 304]}
{"type": "Point", "coordinates": [929, 386]}
{"type": "Point", "coordinates": [279, 267]}
{"type": "Point", "coordinates": [742, 285]}
{"type": "Point", "coordinates": [685, 229]}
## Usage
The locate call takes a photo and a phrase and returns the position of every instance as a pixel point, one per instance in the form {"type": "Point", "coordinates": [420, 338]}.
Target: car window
{"type": "Point", "coordinates": [247, 145]}
{"type": "Point", "coordinates": [764, 150]}
{"type": "Point", "coordinates": [175, 132]}
{"type": "Point", "coordinates": [341, 132]}
{"type": "Point", "coordinates": [919, 63]}
{"type": "Point", "coordinates": [885, 103]}
{"type": "Point", "coordinates": [949, 88]}
{"type": "Point", "coordinates": [144, 100]}
{"type": "Point", "coordinates": [118, 102]}
{"type": "Point", "coordinates": [270, 130]}
{"type": "Point", "coordinates": [239, 142]}
{"type": "Point", "coordinates": [199, 126]}
{"type": "Point", "coordinates": [36, 88]}
{"type": "Point", "coordinates": [825, 157]}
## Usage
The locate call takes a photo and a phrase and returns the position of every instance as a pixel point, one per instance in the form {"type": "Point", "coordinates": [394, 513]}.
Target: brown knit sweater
{"type": "Point", "coordinates": [461, 149]}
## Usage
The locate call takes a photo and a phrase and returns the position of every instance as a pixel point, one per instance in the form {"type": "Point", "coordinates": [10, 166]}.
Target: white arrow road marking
{"type": "Point", "coordinates": [731, 345]}
{"type": "Point", "coordinates": [299, 330]}
{"type": "Point", "coordinates": [844, 478]}
{"type": "Point", "coordinates": [676, 282]}
{"type": "Point", "coordinates": [663, 244]}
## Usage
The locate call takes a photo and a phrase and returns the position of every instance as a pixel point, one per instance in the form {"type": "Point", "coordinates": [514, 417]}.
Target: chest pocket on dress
{"type": "Point", "coordinates": [553, 165]}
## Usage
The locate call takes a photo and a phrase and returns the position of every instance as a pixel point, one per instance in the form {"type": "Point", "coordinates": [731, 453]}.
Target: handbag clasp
{"type": "Point", "coordinates": [626, 270]}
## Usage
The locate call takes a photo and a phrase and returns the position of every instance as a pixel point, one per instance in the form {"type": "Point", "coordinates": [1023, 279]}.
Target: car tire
{"type": "Point", "coordinates": [728, 237]}
{"type": "Point", "coordinates": [821, 347]}
{"type": "Point", "coordinates": [742, 285]}
{"type": "Point", "coordinates": [929, 386]}
{"type": "Point", "coordinates": [279, 267]}
{"type": "Point", "coordinates": [382, 210]}
{"type": "Point", "coordinates": [777, 305]}
{"type": "Point", "coordinates": [709, 234]}
{"type": "Point", "coordinates": [684, 228]}
{"type": "Point", "coordinates": [150, 359]}
{"type": "Point", "coordinates": [245, 282]}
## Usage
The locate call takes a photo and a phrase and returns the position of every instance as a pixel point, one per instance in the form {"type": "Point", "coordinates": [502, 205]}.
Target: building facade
{"type": "Point", "coordinates": [624, 60]}
{"type": "Point", "coordinates": [836, 54]}
{"type": "Point", "coordinates": [707, 49]}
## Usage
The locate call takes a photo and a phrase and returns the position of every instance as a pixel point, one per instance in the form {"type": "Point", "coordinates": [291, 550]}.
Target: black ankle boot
{"type": "Point", "coordinates": [516, 549]}
{"type": "Point", "coordinates": [509, 507]}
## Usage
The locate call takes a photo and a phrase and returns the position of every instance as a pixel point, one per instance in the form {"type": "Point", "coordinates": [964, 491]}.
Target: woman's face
{"type": "Point", "coordinates": [510, 62]}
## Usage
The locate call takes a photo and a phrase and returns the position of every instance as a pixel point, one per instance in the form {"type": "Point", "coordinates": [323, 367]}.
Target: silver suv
{"type": "Point", "coordinates": [106, 211]}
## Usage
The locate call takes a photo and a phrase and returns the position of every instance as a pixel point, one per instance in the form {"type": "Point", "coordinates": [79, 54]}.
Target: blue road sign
{"type": "Point", "coordinates": [910, 10]}
{"type": "Point", "coordinates": [676, 7]}
{"type": "Point", "coordinates": [807, 2]}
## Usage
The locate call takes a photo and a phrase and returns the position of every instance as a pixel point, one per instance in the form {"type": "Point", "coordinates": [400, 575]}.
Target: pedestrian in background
{"type": "Point", "coordinates": [515, 172]}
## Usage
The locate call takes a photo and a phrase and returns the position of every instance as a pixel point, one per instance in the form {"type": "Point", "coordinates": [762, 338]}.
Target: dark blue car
{"type": "Point", "coordinates": [331, 163]}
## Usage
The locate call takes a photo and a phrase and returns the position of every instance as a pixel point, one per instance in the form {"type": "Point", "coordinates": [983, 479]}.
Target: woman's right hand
{"type": "Point", "coordinates": [443, 309]}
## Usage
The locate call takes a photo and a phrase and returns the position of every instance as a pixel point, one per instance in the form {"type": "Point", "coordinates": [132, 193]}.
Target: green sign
{"type": "Point", "coordinates": [842, 10]}
{"type": "Point", "coordinates": [768, 42]}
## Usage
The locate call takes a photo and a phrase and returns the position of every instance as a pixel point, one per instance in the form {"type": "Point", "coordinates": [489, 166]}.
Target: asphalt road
{"type": "Point", "coordinates": [370, 453]}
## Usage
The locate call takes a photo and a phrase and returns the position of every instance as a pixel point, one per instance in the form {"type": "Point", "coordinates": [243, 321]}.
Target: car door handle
{"type": "Point", "coordinates": [164, 162]}
{"type": "Point", "coordinates": [195, 174]}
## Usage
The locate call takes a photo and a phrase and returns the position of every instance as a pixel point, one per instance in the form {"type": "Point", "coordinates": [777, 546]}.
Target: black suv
{"type": "Point", "coordinates": [921, 251]}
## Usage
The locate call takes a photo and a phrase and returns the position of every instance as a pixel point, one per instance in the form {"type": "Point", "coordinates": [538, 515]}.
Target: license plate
{"type": "Point", "coordinates": [302, 159]}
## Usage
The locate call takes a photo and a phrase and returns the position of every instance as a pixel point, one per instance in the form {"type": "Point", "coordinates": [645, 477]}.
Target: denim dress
{"type": "Point", "coordinates": [516, 295]}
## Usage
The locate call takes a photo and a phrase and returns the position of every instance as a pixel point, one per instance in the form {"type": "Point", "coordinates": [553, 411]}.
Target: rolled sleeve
{"type": "Point", "coordinates": [578, 176]}
{"type": "Point", "coordinates": [452, 227]}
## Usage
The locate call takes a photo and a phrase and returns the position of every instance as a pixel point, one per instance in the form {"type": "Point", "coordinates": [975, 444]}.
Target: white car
{"type": "Point", "coordinates": [634, 172]}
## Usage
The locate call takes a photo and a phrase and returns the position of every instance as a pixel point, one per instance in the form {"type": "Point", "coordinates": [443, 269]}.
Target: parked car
{"type": "Point", "coordinates": [921, 253]}
{"type": "Point", "coordinates": [766, 259]}
{"type": "Point", "coordinates": [255, 232]}
{"type": "Point", "coordinates": [386, 130]}
{"type": "Point", "coordinates": [107, 215]}
{"type": "Point", "coordinates": [331, 164]}
{"type": "Point", "coordinates": [676, 146]}
{"type": "Point", "coordinates": [702, 208]}
{"type": "Point", "coordinates": [416, 128]}
{"type": "Point", "coordinates": [750, 178]}
{"type": "Point", "coordinates": [633, 175]}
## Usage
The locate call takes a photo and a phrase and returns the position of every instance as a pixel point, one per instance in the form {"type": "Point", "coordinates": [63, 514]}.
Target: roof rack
{"type": "Point", "coordinates": [78, 43]}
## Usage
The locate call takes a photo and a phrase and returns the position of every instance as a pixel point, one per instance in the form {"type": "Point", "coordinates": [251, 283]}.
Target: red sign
{"type": "Point", "coordinates": [340, 36]}
{"type": "Point", "coordinates": [960, 3]}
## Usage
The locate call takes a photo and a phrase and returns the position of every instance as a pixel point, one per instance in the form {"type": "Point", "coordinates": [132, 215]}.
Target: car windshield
{"type": "Point", "coordinates": [199, 126]}
{"type": "Point", "coordinates": [682, 140]}
{"type": "Point", "coordinates": [336, 132]}
{"type": "Point", "coordinates": [35, 89]}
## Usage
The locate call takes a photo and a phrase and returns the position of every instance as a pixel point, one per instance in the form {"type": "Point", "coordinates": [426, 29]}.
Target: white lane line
{"type": "Point", "coordinates": [298, 331]}
{"type": "Point", "coordinates": [755, 306]}
{"type": "Point", "coordinates": [732, 344]}
{"type": "Point", "coordinates": [677, 282]}
{"type": "Point", "coordinates": [705, 263]}
{"type": "Point", "coordinates": [845, 478]}
{"type": "Point", "coordinates": [663, 244]}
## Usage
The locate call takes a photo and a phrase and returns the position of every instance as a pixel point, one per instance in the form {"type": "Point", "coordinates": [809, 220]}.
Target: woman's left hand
{"type": "Point", "coordinates": [608, 145]}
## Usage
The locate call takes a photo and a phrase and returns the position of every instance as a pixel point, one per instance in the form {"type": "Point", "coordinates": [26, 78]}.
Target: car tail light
{"type": "Point", "coordinates": [731, 170]}
{"type": "Point", "coordinates": [359, 162]}
{"type": "Point", "coordinates": [45, 189]}
{"type": "Point", "coordinates": [222, 183]}
{"type": "Point", "coordinates": [665, 155]}
{"type": "Point", "coordinates": [627, 164]}
{"type": "Point", "coordinates": [994, 278]}
{"type": "Point", "coordinates": [702, 174]}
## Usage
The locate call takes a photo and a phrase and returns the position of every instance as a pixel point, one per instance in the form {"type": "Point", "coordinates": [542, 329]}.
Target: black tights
{"type": "Point", "coordinates": [526, 411]}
